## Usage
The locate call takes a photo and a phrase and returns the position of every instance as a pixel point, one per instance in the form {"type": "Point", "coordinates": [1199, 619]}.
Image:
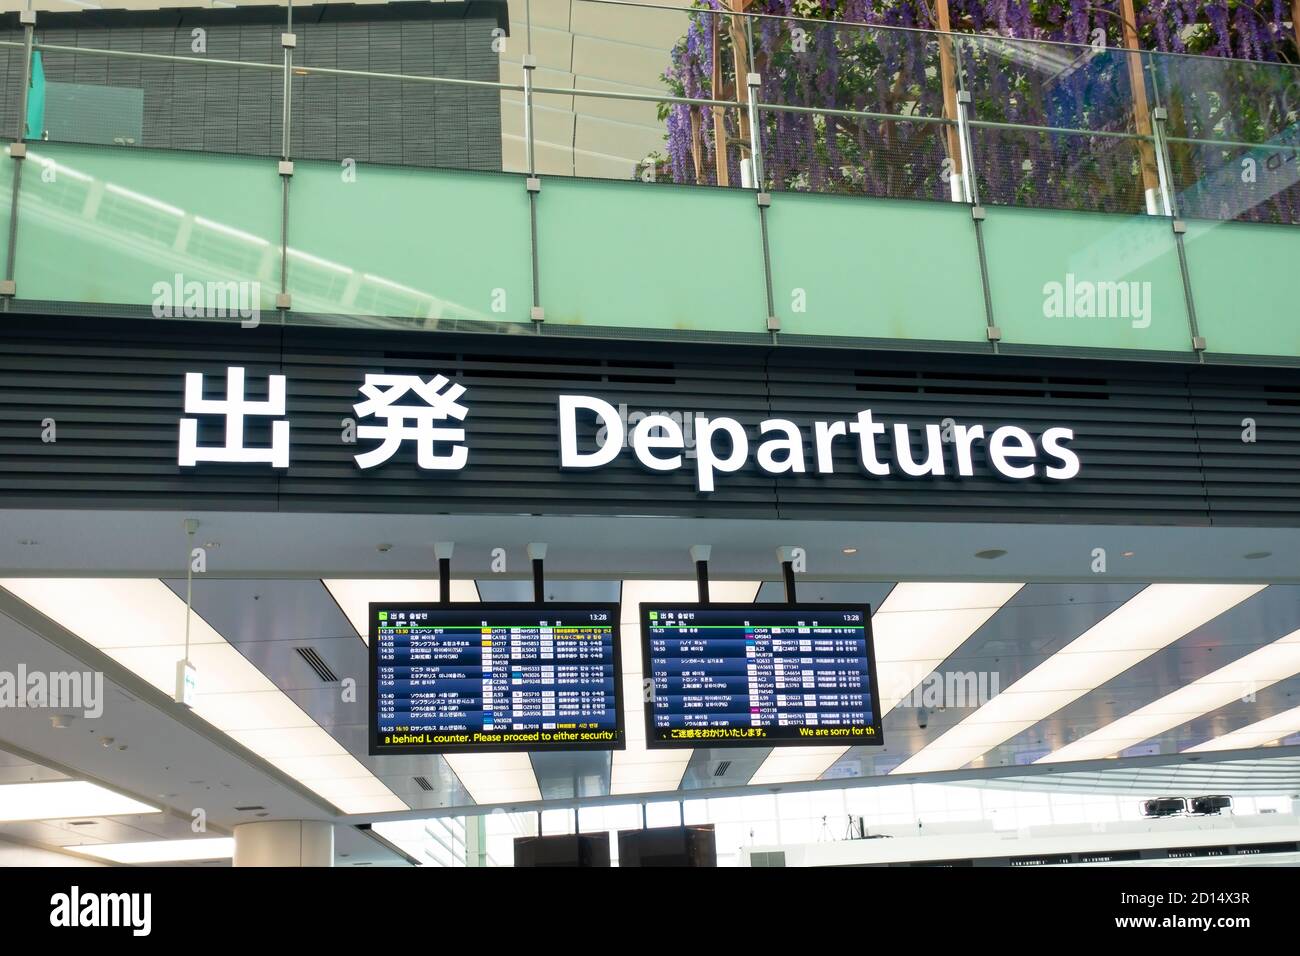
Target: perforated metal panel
{"type": "Point", "coordinates": [1159, 444]}
{"type": "Point", "coordinates": [228, 110]}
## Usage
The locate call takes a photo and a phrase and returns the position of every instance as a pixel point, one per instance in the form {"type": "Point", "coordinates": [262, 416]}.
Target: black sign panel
{"type": "Point", "coordinates": [450, 678]}
{"type": "Point", "coordinates": [754, 675]}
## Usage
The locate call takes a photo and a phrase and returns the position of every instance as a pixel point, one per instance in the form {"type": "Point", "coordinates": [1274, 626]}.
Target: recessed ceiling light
{"type": "Point", "coordinates": [1127, 554]}
{"type": "Point", "coordinates": [1160, 613]}
{"type": "Point", "coordinates": [990, 553]}
{"type": "Point", "coordinates": [849, 550]}
{"type": "Point", "coordinates": [211, 544]}
{"type": "Point", "coordinates": [161, 851]}
{"type": "Point", "coordinates": [63, 799]}
{"type": "Point", "coordinates": [1257, 670]}
{"type": "Point", "coordinates": [139, 622]}
{"type": "Point", "coordinates": [1256, 555]}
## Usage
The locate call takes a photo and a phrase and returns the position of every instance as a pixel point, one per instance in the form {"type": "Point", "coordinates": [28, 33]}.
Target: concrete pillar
{"type": "Point", "coordinates": [284, 843]}
{"type": "Point", "coordinates": [476, 841]}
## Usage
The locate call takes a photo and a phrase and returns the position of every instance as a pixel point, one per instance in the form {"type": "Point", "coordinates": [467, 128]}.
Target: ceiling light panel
{"type": "Point", "coordinates": [1254, 671]}
{"type": "Point", "coordinates": [140, 623]}
{"type": "Point", "coordinates": [161, 851]}
{"type": "Point", "coordinates": [921, 624]}
{"type": "Point", "coordinates": [64, 800]}
{"type": "Point", "coordinates": [354, 595]}
{"type": "Point", "coordinates": [1150, 621]}
{"type": "Point", "coordinates": [1258, 734]}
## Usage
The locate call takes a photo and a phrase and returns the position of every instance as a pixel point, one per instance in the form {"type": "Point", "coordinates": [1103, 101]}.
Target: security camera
{"type": "Point", "coordinates": [922, 717]}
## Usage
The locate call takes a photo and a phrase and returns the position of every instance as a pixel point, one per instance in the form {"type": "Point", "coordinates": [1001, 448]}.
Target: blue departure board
{"type": "Point", "coordinates": [755, 675]}
{"type": "Point", "coordinates": [450, 678]}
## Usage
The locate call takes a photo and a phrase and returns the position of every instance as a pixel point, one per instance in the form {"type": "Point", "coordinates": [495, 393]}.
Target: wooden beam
{"type": "Point", "coordinates": [740, 54]}
{"type": "Point", "coordinates": [715, 93]}
{"type": "Point", "coordinates": [1141, 109]}
{"type": "Point", "coordinates": [948, 80]}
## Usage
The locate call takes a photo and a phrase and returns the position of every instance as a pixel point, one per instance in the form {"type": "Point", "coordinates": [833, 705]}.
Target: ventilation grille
{"type": "Point", "coordinates": [983, 385]}
{"type": "Point", "coordinates": [722, 768]}
{"type": "Point", "coordinates": [249, 809]}
{"type": "Point", "coordinates": [423, 783]}
{"type": "Point", "coordinates": [315, 662]}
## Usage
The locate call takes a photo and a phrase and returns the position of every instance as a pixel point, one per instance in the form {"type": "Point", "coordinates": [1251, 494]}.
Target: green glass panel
{"type": "Point", "coordinates": [113, 226]}
{"type": "Point", "coordinates": [1087, 280]}
{"type": "Point", "coordinates": [875, 268]}
{"type": "Point", "coordinates": [632, 255]}
{"type": "Point", "coordinates": [422, 244]}
{"type": "Point", "coordinates": [1246, 286]}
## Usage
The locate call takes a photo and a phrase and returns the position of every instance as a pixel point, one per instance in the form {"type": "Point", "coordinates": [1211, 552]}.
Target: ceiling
{"type": "Point", "coordinates": [1181, 663]}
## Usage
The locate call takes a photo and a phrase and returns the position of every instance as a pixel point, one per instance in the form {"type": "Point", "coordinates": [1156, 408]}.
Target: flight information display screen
{"type": "Point", "coordinates": [482, 677]}
{"type": "Point", "coordinates": [753, 675]}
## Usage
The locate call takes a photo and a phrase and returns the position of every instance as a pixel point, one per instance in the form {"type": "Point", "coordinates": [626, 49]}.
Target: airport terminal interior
{"type": "Point", "coordinates": [594, 433]}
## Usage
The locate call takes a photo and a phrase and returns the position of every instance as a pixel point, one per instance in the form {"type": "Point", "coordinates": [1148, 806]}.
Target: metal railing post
{"type": "Point", "coordinates": [756, 174]}
{"type": "Point", "coordinates": [533, 184]}
{"type": "Point", "coordinates": [970, 190]}
{"type": "Point", "coordinates": [753, 81]}
{"type": "Point", "coordinates": [529, 64]}
{"type": "Point", "coordinates": [288, 42]}
{"type": "Point", "coordinates": [18, 153]}
{"type": "Point", "coordinates": [1159, 116]}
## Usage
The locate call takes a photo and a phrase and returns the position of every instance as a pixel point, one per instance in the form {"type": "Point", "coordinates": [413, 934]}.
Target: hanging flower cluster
{"type": "Point", "coordinates": [1085, 85]}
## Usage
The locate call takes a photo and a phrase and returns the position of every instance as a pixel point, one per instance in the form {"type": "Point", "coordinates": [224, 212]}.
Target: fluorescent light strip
{"type": "Point", "coordinates": [1254, 671]}
{"type": "Point", "coordinates": [637, 769]}
{"type": "Point", "coordinates": [1258, 734]}
{"type": "Point", "coordinates": [161, 851]}
{"type": "Point", "coordinates": [916, 628]}
{"type": "Point", "coordinates": [1148, 622]}
{"type": "Point", "coordinates": [919, 626]}
{"type": "Point", "coordinates": [496, 777]}
{"type": "Point", "coordinates": [355, 594]}
{"type": "Point", "coordinates": [64, 800]}
{"type": "Point", "coordinates": [140, 623]}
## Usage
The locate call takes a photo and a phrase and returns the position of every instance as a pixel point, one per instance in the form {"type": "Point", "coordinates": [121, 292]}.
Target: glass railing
{"type": "Point", "coordinates": [296, 177]}
{"type": "Point", "coordinates": [624, 90]}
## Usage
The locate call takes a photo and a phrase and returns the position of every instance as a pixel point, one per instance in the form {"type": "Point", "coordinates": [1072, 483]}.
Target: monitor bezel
{"type": "Point", "coordinates": [377, 749]}
{"type": "Point", "coordinates": [652, 743]}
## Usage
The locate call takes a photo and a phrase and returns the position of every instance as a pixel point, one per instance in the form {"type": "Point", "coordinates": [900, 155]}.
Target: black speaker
{"type": "Point", "coordinates": [1164, 807]}
{"type": "Point", "coordinates": [1203, 806]}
